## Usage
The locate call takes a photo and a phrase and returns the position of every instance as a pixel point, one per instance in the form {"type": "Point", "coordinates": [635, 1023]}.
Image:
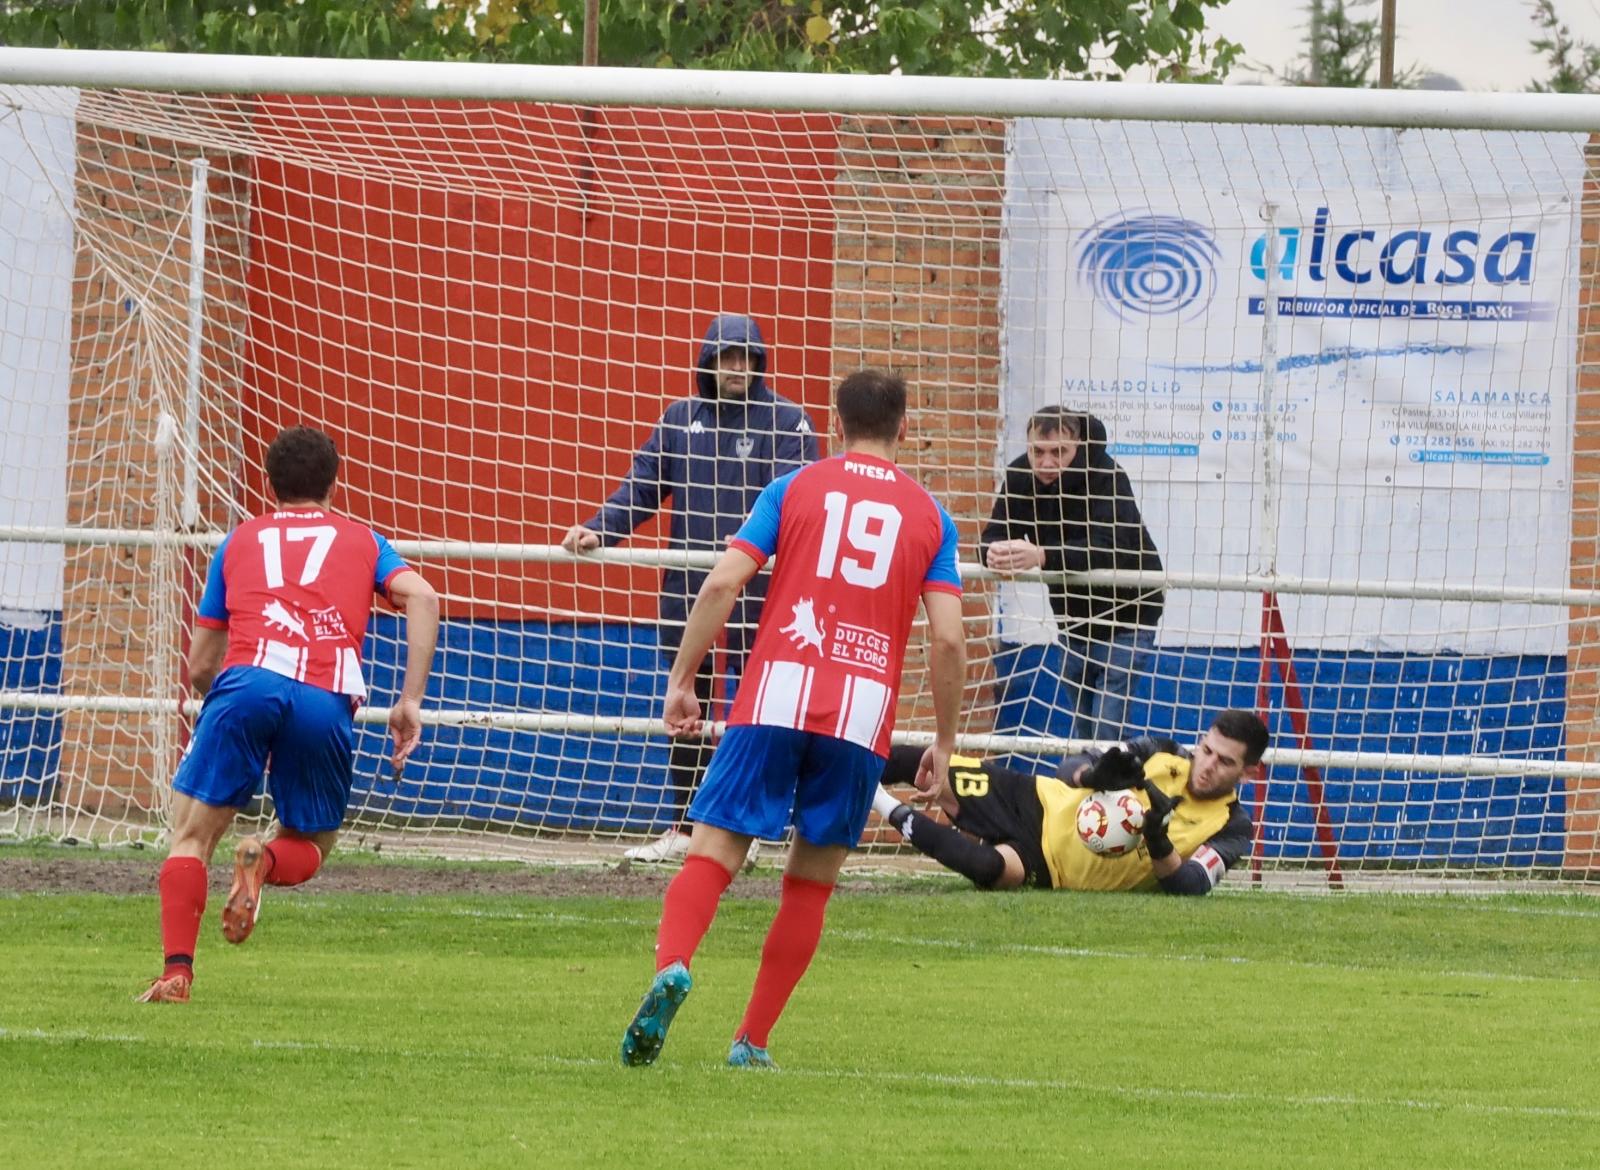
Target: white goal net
{"type": "Point", "coordinates": [1326, 397]}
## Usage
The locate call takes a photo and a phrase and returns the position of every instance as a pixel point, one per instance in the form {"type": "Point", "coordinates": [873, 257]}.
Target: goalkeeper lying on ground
{"type": "Point", "coordinates": [1023, 828]}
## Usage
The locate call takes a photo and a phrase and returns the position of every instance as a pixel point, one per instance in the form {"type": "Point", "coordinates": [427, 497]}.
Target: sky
{"type": "Point", "coordinates": [1481, 43]}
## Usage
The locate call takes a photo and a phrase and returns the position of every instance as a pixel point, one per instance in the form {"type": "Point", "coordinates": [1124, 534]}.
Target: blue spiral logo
{"type": "Point", "coordinates": [1149, 265]}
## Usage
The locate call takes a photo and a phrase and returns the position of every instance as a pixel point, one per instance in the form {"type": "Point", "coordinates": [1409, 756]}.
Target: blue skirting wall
{"type": "Point", "coordinates": [30, 741]}
{"type": "Point", "coordinates": [556, 780]}
{"type": "Point", "coordinates": [1450, 704]}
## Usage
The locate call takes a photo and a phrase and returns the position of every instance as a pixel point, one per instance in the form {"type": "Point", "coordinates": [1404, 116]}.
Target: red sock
{"type": "Point", "coordinates": [791, 942]}
{"type": "Point", "coordinates": [183, 903]}
{"type": "Point", "coordinates": [687, 910]}
{"type": "Point", "coordinates": [293, 861]}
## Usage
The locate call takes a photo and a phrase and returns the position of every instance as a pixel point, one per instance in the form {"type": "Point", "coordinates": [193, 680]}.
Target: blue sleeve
{"type": "Point", "coordinates": [214, 601]}
{"type": "Point", "coordinates": [638, 496]}
{"type": "Point", "coordinates": [760, 529]}
{"type": "Point", "coordinates": [944, 570]}
{"type": "Point", "coordinates": [389, 563]}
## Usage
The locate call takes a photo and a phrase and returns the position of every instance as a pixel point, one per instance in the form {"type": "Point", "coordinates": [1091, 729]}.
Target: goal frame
{"type": "Point", "coordinates": [846, 94]}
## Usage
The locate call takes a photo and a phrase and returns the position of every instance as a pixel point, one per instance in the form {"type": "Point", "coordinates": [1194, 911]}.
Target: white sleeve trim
{"type": "Point", "coordinates": [1211, 862]}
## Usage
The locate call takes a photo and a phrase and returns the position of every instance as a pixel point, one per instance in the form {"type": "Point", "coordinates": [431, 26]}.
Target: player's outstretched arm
{"type": "Point", "coordinates": [712, 605]}
{"type": "Point", "coordinates": [411, 592]}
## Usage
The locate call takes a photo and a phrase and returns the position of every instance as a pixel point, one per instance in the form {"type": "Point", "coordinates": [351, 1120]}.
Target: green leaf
{"type": "Point", "coordinates": [1021, 38]}
{"type": "Point", "coordinates": [1187, 15]}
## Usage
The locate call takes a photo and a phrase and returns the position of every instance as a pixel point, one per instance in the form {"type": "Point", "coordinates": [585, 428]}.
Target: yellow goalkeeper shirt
{"type": "Point", "coordinates": [1073, 866]}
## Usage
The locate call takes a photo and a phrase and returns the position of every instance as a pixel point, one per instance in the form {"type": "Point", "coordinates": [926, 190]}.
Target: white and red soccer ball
{"type": "Point", "coordinates": [1111, 823]}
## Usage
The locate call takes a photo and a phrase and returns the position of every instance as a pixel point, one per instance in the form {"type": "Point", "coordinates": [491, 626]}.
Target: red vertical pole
{"type": "Point", "coordinates": [1275, 636]}
{"type": "Point", "coordinates": [1263, 709]}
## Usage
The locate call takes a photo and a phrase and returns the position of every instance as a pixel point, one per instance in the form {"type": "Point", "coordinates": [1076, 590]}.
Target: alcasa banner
{"type": "Point", "coordinates": [1364, 339]}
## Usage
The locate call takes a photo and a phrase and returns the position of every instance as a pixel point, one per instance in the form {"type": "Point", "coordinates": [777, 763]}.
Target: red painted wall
{"type": "Point", "coordinates": [489, 306]}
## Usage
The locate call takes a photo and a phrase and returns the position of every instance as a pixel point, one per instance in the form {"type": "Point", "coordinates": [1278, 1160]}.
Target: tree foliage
{"type": "Point", "coordinates": [1344, 50]}
{"type": "Point", "coordinates": [974, 38]}
{"type": "Point", "coordinates": [1574, 64]}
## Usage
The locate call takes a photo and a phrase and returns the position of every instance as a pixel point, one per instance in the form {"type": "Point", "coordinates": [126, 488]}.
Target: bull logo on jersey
{"type": "Point", "coordinates": [744, 444]}
{"type": "Point", "coordinates": [277, 617]}
{"type": "Point", "coordinates": [805, 628]}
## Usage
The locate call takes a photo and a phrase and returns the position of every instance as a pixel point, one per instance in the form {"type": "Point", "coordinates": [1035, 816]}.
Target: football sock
{"type": "Point", "coordinates": [884, 803]}
{"type": "Point", "coordinates": [791, 941]}
{"type": "Point", "coordinates": [182, 883]}
{"type": "Point", "coordinates": [951, 848]}
{"type": "Point", "coordinates": [687, 910]}
{"type": "Point", "coordinates": [293, 861]}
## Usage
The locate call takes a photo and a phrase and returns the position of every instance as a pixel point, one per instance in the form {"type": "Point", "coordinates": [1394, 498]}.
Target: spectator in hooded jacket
{"type": "Point", "coordinates": [712, 453]}
{"type": "Point", "coordinates": [1066, 506]}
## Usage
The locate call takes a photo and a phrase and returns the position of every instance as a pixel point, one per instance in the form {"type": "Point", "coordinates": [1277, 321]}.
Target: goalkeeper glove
{"type": "Point", "coordinates": [1156, 841]}
{"type": "Point", "coordinates": [1113, 772]}
{"type": "Point", "coordinates": [1146, 746]}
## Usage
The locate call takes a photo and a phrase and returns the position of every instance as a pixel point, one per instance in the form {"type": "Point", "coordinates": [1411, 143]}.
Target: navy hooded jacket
{"type": "Point", "coordinates": [712, 456]}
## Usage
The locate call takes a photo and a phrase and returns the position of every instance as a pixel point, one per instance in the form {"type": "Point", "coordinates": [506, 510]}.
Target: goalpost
{"type": "Point", "coordinates": [1338, 341]}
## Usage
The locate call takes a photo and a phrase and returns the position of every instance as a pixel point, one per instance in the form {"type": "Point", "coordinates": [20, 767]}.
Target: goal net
{"type": "Point", "coordinates": [1341, 375]}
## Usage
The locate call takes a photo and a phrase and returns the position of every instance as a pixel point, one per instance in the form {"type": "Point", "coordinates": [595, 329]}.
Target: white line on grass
{"type": "Point", "coordinates": [1485, 905]}
{"type": "Point", "coordinates": [1051, 951]}
{"type": "Point", "coordinates": [1052, 1085]}
{"type": "Point", "coordinates": [1160, 1093]}
{"type": "Point", "coordinates": [1467, 904]}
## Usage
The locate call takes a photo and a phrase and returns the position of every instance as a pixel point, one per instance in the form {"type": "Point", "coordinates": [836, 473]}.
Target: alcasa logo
{"type": "Point", "coordinates": [1415, 256]}
{"type": "Point", "coordinates": [1149, 265]}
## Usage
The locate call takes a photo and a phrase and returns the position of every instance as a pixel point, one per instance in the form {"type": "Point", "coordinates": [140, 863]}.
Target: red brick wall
{"type": "Point", "coordinates": [917, 289]}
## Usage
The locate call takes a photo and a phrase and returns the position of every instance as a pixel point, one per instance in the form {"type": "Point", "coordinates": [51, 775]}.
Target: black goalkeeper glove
{"type": "Point", "coordinates": [1156, 818]}
{"type": "Point", "coordinates": [1113, 772]}
{"type": "Point", "coordinates": [1146, 746]}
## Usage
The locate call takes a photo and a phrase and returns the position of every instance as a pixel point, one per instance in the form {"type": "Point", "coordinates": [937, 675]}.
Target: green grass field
{"type": "Point", "coordinates": [938, 1027]}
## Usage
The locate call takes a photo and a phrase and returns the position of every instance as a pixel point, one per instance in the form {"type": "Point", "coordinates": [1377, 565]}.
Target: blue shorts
{"type": "Point", "coordinates": [252, 715]}
{"type": "Point", "coordinates": [761, 778]}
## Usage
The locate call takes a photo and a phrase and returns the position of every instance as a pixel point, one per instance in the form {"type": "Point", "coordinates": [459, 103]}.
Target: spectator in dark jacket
{"type": "Point", "coordinates": [1066, 506]}
{"type": "Point", "coordinates": [712, 453]}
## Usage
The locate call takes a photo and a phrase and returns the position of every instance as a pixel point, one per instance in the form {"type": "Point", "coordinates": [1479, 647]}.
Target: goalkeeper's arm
{"type": "Point", "coordinates": [1204, 868]}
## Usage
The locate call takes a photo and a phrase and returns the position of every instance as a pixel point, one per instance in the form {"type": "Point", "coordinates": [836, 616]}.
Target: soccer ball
{"type": "Point", "coordinates": [1111, 823]}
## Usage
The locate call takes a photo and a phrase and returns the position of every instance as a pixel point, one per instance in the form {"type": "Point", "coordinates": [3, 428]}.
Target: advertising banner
{"type": "Point", "coordinates": [1341, 354]}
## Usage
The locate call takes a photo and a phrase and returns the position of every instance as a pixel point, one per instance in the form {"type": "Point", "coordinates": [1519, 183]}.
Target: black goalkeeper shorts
{"type": "Point", "coordinates": [1001, 807]}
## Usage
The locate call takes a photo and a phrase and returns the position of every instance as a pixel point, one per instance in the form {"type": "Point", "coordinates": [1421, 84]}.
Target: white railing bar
{"type": "Point", "coordinates": [841, 93]}
{"type": "Point", "coordinates": [546, 721]}
{"type": "Point", "coordinates": [446, 550]}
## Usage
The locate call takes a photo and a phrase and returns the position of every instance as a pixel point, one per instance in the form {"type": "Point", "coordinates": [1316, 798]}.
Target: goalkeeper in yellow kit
{"type": "Point", "coordinates": [1014, 829]}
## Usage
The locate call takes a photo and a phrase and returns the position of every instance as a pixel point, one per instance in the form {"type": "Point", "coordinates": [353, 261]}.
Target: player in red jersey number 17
{"type": "Point", "coordinates": [276, 651]}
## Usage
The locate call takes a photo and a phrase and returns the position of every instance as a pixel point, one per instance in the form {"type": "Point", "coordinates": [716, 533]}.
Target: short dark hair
{"type": "Point", "coordinates": [1245, 727]}
{"type": "Point", "coordinates": [871, 404]}
{"type": "Point", "coordinates": [302, 464]}
{"type": "Point", "coordinates": [1056, 418]}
